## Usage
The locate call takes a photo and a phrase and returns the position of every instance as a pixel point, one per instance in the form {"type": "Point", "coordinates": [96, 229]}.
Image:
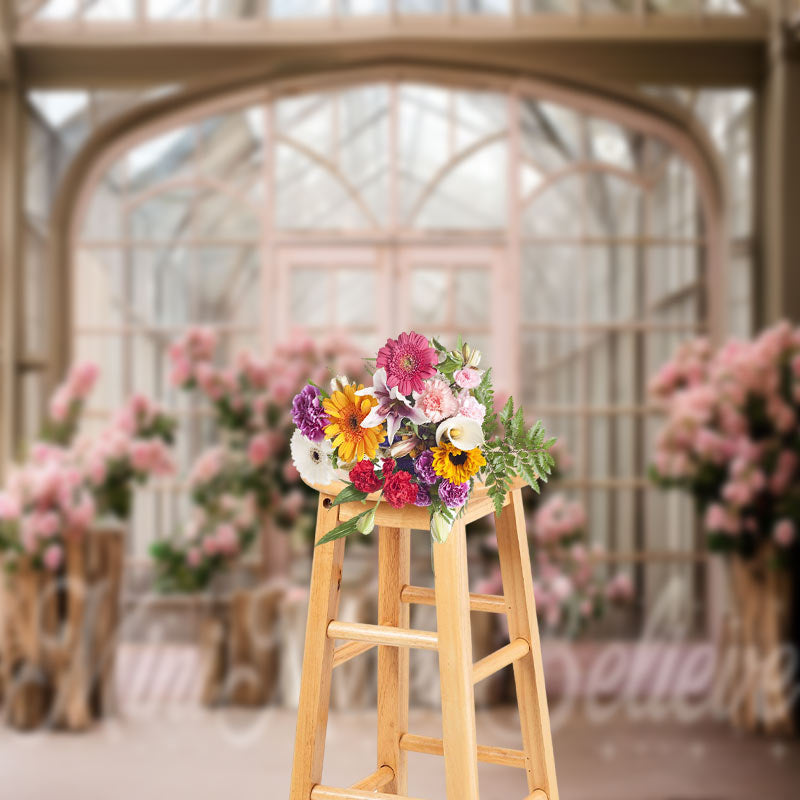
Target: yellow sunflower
{"type": "Point", "coordinates": [457, 466]}
{"type": "Point", "coordinates": [346, 412]}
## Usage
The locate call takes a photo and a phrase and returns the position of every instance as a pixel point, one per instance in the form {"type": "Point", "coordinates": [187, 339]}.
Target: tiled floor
{"type": "Point", "coordinates": [180, 751]}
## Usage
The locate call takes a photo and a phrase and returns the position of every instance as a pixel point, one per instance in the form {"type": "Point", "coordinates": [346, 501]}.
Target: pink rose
{"type": "Point", "coordinates": [467, 378]}
{"type": "Point", "coordinates": [9, 507]}
{"type": "Point", "coordinates": [227, 539]}
{"type": "Point", "coordinates": [469, 407]}
{"type": "Point", "coordinates": [60, 404]}
{"type": "Point", "coordinates": [194, 556]}
{"type": "Point", "coordinates": [259, 450]}
{"type": "Point", "coordinates": [784, 533]}
{"type": "Point", "coordinates": [83, 377]}
{"type": "Point", "coordinates": [53, 556]}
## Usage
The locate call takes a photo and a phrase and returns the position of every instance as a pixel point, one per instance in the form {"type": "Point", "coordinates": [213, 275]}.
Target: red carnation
{"type": "Point", "coordinates": [388, 467]}
{"type": "Point", "coordinates": [399, 490]}
{"type": "Point", "coordinates": [364, 478]}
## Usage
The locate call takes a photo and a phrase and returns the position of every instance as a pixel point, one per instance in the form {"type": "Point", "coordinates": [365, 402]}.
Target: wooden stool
{"type": "Point", "coordinates": [452, 641]}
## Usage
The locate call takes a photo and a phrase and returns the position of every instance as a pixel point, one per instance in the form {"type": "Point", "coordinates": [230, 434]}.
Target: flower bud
{"type": "Point", "coordinates": [339, 382]}
{"type": "Point", "coordinates": [440, 528]}
{"type": "Point", "coordinates": [472, 356]}
{"type": "Point", "coordinates": [365, 523]}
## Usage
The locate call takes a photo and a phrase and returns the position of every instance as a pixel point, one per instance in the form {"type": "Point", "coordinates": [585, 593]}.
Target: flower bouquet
{"type": "Point", "coordinates": [422, 434]}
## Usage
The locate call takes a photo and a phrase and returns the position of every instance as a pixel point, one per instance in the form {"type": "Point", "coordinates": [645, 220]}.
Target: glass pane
{"type": "Point", "coordinates": [552, 362]}
{"type": "Point", "coordinates": [550, 283]}
{"type": "Point", "coordinates": [557, 211]}
{"type": "Point", "coordinates": [166, 216]}
{"type": "Point", "coordinates": [473, 297]}
{"type": "Point", "coordinates": [615, 207]}
{"type": "Point", "coordinates": [429, 287]}
{"type": "Point", "coordinates": [615, 368]}
{"type": "Point", "coordinates": [356, 297]}
{"type": "Point", "coordinates": [309, 293]}
{"type": "Point", "coordinates": [615, 279]}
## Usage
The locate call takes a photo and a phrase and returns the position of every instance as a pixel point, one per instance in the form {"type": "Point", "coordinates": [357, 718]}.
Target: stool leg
{"type": "Point", "coordinates": [455, 666]}
{"type": "Point", "coordinates": [394, 572]}
{"type": "Point", "coordinates": [315, 684]}
{"type": "Point", "coordinates": [515, 565]}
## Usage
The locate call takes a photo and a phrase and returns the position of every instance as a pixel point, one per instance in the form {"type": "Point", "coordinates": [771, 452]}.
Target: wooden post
{"type": "Point", "coordinates": [315, 684]}
{"type": "Point", "coordinates": [512, 543]}
{"type": "Point", "coordinates": [455, 665]}
{"type": "Point", "coordinates": [394, 572]}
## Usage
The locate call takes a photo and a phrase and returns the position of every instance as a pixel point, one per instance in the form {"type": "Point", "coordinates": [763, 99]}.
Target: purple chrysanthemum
{"type": "Point", "coordinates": [423, 498]}
{"type": "Point", "coordinates": [308, 414]}
{"type": "Point", "coordinates": [453, 495]}
{"type": "Point", "coordinates": [423, 466]}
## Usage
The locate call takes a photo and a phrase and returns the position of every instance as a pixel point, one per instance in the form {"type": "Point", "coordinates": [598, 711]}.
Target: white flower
{"type": "Point", "coordinates": [464, 433]}
{"type": "Point", "coordinates": [440, 528]}
{"type": "Point", "coordinates": [312, 459]}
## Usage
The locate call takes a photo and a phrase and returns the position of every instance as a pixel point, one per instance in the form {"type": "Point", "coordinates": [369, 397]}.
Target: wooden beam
{"type": "Point", "coordinates": [383, 634]}
{"type": "Point", "coordinates": [422, 596]}
{"type": "Point", "coordinates": [346, 652]}
{"type": "Point", "coordinates": [494, 662]}
{"type": "Point", "coordinates": [490, 755]}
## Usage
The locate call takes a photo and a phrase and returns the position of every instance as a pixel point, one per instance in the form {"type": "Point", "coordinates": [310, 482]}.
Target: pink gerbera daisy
{"type": "Point", "coordinates": [409, 360]}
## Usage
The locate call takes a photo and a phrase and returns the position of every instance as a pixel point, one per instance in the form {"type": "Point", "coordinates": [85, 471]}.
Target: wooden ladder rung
{"type": "Point", "coordinates": [343, 653]}
{"type": "Point", "coordinates": [375, 782]}
{"type": "Point", "coordinates": [332, 793]}
{"type": "Point", "coordinates": [383, 634]}
{"type": "Point", "coordinates": [537, 795]}
{"type": "Point", "coordinates": [512, 652]}
{"type": "Point", "coordinates": [420, 595]}
{"type": "Point", "coordinates": [413, 743]}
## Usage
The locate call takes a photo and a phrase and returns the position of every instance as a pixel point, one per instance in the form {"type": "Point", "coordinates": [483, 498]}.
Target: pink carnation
{"type": "Point", "coordinates": [437, 400]}
{"type": "Point", "coordinates": [467, 378]}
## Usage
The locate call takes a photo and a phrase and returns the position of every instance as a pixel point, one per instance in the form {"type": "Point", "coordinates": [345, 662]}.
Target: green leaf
{"type": "Point", "coordinates": [348, 495]}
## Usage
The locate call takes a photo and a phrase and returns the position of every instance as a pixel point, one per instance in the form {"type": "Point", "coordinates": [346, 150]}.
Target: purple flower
{"type": "Point", "coordinates": [308, 414]}
{"type": "Point", "coordinates": [392, 407]}
{"type": "Point", "coordinates": [453, 495]}
{"type": "Point", "coordinates": [423, 466]}
{"type": "Point", "coordinates": [423, 498]}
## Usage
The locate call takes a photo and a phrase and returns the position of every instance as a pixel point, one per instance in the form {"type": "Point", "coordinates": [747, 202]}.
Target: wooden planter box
{"type": "Point", "coordinates": [240, 647]}
{"type": "Point", "coordinates": [58, 635]}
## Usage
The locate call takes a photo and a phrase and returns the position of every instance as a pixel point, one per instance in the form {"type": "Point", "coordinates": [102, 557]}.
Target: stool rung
{"type": "Point", "coordinates": [537, 795]}
{"type": "Point", "coordinates": [343, 653]}
{"type": "Point", "coordinates": [375, 782]}
{"type": "Point", "coordinates": [413, 743]}
{"type": "Point", "coordinates": [512, 652]}
{"type": "Point", "coordinates": [420, 595]}
{"type": "Point", "coordinates": [332, 793]}
{"type": "Point", "coordinates": [383, 634]}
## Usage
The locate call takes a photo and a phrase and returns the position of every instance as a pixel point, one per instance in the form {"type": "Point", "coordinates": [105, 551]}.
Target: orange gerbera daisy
{"type": "Point", "coordinates": [346, 412]}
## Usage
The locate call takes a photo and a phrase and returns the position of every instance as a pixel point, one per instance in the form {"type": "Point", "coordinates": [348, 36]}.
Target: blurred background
{"type": "Point", "coordinates": [205, 202]}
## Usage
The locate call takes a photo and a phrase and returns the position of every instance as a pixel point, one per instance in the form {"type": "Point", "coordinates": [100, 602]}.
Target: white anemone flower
{"type": "Point", "coordinates": [462, 432]}
{"type": "Point", "coordinates": [312, 459]}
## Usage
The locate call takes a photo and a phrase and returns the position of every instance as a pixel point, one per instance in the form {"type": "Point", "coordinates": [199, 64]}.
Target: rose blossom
{"type": "Point", "coordinates": [53, 556]}
{"type": "Point", "coordinates": [437, 400]}
{"type": "Point", "coordinates": [259, 450]}
{"type": "Point", "coordinates": [9, 506]}
{"type": "Point", "coordinates": [467, 378]}
{"type": "Point", "coordinates": [784, 533]}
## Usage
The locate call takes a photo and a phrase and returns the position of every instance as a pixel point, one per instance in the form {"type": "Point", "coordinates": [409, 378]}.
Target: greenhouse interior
{"type": "Point", "coordinates": [220, 220]}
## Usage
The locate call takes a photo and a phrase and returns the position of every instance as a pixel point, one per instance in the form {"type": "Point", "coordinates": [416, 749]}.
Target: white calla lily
{"type": "Point", "coordinates": [462, 432]}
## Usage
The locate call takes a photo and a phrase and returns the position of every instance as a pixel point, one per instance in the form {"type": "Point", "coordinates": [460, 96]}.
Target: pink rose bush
{"type": "Point", "coordinates": [251, 404]}
{"type": "Point", "coordinates": [66, 485]}
{"type": "Point", "coordinates": [732, 437]}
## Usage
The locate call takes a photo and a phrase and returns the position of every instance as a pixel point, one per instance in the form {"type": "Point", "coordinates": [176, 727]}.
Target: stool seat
{"type": "Point", "coordinates": [452, 640]}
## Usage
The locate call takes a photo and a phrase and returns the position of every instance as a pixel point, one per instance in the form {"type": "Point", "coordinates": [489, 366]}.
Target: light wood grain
{"type": "Point", "coordinates": [383, 634]}
{"type": "Point", "coordinates": [346, 652]}
{"type": "Point", "coordinates": [512, 542]}
{"type": "Point", "coordinates": [421, 595]}
{"type": "Point", "coordinates": [492, 755]}
{"type": "Point", "coordinates": [376, 782]}
{"type": "Point", "coordinates": [537, 795]}
{"type": "Point", "coordinates": [512, 652]}
{"type": "Point", "coordinates": [455, 665]}
{"type": "Point", "coordinates": [315, 684]}
{"type": "Point", "coordinates": [332, 793]}
{"type": "Point", "coordinates": [394, 572]}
